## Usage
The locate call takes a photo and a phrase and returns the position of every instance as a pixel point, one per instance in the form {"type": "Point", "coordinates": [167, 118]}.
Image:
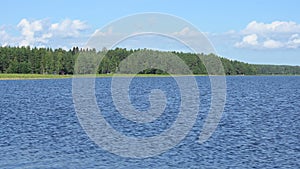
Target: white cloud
{"type": "Point", "coordinates": [3, 37]}
{"type": "Point", "coordinates": [194, 39]}
{"type": "Point", "coordinates": [183, 32]}
{"type": "Point", "coordinates": [277, 34]}
{"type": "Point", "coordinates": [6, 39]}
{"type": "Point", "coordinates": [249, 40]}
{"type": "Point", "coordinates": [186, 32]}
{"type": "Point", "coordinates": [98, 32]}
{"type": "Point", "coordinates": [4, 44]}
{"type": "Point", "coordinates": [3, 34]}
{"type": "Point", "coordinates": [274, 27]}
{"type": "Point", "coordinates": [294, 41]}
{"type": "Point", "coordinates": [68, 28]}
{"type": "Point", "coordinates": [47, 35]}
{"type": "Point", "coordinates": [28, 30]}
{"type": "Point", "coordinates": [68, 33]}
{"type": "Point", "coordinates": [108, 37]}
{"type": "Point", "coordinates": [272, 44]}
{"type": "Point", "coordinates": [44, 33]}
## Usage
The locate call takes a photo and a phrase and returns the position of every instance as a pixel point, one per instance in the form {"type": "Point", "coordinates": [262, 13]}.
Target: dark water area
{"type": "Point", "coordinates": [259, 128]}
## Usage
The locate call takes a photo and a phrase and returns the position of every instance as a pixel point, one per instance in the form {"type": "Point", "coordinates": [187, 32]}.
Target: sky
{"type": "Point", "coordinates": [256, 31]}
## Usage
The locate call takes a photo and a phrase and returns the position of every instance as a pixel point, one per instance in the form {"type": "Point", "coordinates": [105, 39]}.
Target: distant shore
{"type": "Point", "coordinates": [56, 76]}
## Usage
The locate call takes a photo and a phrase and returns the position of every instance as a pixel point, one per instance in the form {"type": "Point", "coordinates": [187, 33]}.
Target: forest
{"type": "Point", "coordinates": [27, 60]}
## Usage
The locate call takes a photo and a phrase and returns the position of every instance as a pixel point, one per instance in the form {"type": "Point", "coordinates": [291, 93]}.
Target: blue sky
{"type": "Point", "coordinates": [265, 32]}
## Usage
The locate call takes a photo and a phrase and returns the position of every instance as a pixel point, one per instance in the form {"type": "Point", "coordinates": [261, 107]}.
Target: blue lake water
{"type": "Point", "coordinates": [259, 128]}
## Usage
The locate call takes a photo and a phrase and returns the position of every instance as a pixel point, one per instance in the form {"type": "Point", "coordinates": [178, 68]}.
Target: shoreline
{"type": "Point", "coordinates": [32, 76]}
{"type": "Point", "coordinates": [50, 76]}
{"type": "Point", "coordinates": [45, 76]}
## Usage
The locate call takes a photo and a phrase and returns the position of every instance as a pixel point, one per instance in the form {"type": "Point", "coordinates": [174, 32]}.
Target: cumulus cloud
{"type": "Point", "coordinates": [277, 34]}
{"type": "Point", "coordinates": [68, 28]}
{"type": "Point", "coordinates": [249, 40]}
{"type": "Point", "coordinates": [273, 27]}
{"type": "Point", "coordinates": [3, 37]}
{"type": "Point", "coordinates": [3, 34]}
{"type": "Point", "coordinates": [43, 33]}
{"type": "Point", "coordinates": [272, 44]}
{"type": "Point", "coordinates": [294, 41]}
{"type": "Point", "coordinates": [6, 39]}
{"type": "Point", "coordinates": [29, 30]}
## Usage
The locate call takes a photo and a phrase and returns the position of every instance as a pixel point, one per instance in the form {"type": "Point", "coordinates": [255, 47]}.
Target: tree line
{"type": "Point", "coordinates": [59, 61]}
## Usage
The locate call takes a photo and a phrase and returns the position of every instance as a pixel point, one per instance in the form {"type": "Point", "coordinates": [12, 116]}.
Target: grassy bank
{"type": "Point", "coordinates": [31, 76]}
{"type": "Point", "coordinates": [51, 76]}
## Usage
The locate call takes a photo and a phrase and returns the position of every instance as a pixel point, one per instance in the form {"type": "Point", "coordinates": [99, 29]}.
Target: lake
{"type": "Point", "coordinates": [259, 128]}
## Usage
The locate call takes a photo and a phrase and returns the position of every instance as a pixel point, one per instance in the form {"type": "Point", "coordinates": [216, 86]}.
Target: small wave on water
{"type": "Point", "coordinates": [260, 126]}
